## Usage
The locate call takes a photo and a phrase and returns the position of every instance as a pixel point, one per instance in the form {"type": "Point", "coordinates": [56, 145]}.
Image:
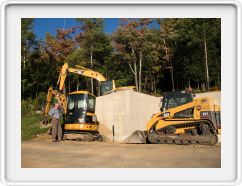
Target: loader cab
{"type": "Point", "coordinates": [106, 87]}
{"type": "Point", "coordinates": [174, 99]}
{"type": "Point", "coordinates": [80, 108]}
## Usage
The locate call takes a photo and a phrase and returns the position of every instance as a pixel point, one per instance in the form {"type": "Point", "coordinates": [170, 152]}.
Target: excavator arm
{"type": "Point", "coordinates": [78, 70]}
{"type": "Point", "coordinates": [106, 87]}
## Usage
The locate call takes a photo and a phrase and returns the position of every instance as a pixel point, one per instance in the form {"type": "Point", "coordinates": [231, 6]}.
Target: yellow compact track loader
{"type": "Point", "coordinates": [183, 120]}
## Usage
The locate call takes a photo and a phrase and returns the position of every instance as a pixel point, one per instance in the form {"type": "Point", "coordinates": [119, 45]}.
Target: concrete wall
{"type": "Point", "coordinates": [126, 110]}
{"type": "Point", "coordinates": [129, 111]}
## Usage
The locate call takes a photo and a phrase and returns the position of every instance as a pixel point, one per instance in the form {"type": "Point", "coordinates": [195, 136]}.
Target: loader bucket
{"type": "Point", "coordinates": [137, 136]}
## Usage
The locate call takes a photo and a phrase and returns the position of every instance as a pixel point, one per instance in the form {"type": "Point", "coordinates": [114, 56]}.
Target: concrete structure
{"type": "Point", "coordinates": [126, 111]}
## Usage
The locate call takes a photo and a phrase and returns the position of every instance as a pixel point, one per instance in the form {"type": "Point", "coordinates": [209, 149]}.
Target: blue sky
{"type": "Point", "coordinates": [43, 25]}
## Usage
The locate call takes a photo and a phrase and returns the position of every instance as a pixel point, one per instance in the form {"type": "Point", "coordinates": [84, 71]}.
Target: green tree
{"type": "Point", "coordinates": [187, 43]}
{"type": "Point", "coordinates": [91, 31]}
{"type": "Point", "coordinates": [28, 40]}
{"type": "Point", "coordinates": [130, 41]}
{"type": "Point", "coordinates": [28, 45]}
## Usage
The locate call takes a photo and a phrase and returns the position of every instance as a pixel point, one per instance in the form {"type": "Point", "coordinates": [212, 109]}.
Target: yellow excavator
{"type": "Point", "coordinates": [80, 120]}
{"type": "Point", "coordinates": [183, 120]}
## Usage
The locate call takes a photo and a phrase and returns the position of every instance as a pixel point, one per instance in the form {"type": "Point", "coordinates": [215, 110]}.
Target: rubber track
{"type": "Point", "coordinates": [167, 137]}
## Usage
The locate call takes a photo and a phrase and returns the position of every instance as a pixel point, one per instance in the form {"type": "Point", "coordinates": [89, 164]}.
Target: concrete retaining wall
{"type": "Point", "coordinates": [126, 110]}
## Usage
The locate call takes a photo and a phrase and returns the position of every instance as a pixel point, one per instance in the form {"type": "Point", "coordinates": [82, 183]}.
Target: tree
{"type": "Point", "coordinates": [188, 46]}
{"type": "Point", "coordinates": [60, 46]}
{"type": "Point", "coordinates": [28, 39]}
{"type": "Point", "coordinates": [130, 40]}
{"type": "Point", "coordinates": [167, 37]}
{"type": "Point", "coordinates": [28, 45]}
{"type": "Point", "coordinates": [90, 32]}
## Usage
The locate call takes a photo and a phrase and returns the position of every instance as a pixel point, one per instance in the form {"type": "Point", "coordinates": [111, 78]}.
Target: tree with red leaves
{"type": "Point", "coordinates": [60, 46]}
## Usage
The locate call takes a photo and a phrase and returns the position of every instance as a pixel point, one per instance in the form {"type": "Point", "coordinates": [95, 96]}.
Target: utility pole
{"type": "Point", "coordinates": [206, 57]}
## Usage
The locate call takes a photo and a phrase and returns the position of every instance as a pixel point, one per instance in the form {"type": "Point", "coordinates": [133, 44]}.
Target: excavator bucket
{"type": "Point", "coordinates": [137, 136]}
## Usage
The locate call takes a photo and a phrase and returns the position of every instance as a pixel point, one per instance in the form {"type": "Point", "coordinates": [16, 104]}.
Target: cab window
{"type": "Point", "coordinates": [91, 102]}
{"type": "Point", "coordinates": [71, 102]}
{"type": "Point", "coordinates": [81, 101]}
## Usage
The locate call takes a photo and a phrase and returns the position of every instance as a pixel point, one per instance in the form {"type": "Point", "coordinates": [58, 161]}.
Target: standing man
{"type": "Point", "coordinates": [56, 113]}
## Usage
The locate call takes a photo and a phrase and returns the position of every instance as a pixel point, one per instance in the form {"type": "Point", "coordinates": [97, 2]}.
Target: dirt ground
{"type": "Point", "coordinates": [76, 154]}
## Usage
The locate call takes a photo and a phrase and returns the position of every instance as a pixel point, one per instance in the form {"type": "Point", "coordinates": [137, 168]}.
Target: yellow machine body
{"type": "Point", "coordinates": [196, 108]}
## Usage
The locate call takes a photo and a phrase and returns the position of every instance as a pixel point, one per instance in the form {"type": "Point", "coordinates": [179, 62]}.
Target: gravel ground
{"type": "Point", "coordinates": [76, 154]}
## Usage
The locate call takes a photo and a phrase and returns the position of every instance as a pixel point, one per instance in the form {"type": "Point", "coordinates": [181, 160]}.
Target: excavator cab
{"type": "Point", "coordinates": [106, 87]}
{"type": "Point", "coordinates": [80, 104]}
{"type": "Point", "coordinates": [80, 115]}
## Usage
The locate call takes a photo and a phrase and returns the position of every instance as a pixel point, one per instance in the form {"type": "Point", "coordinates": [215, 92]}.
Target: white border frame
{"type": "Point", "coordinates": [236, 3]}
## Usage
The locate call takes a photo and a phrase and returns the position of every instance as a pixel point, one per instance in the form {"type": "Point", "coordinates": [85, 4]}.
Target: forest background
{"type": "Point", "coordinates": [154, 55]}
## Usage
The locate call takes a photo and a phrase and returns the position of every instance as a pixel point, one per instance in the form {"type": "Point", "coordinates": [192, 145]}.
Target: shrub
{"type": "Point", "coordinates": [27, 107]}
{"type": "Point", "coordinates": [40, 101]}
{"type": "Point", "coordinates": [30, 106]}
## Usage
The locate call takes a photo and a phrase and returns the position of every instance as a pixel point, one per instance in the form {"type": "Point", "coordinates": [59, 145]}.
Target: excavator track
{"type": "Point", "coordinates": [198, 132]}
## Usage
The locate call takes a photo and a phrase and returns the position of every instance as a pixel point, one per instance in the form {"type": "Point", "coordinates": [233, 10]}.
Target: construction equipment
{"type": "Point", "coordinates": [183, 120]}
{"type": "Point", "coordinates": [80, 121]}
{"type": "Point", "coordinates": [106, 86]}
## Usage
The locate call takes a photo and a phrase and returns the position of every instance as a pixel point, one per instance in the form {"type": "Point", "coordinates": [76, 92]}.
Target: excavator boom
{"type": "Point", "coordinates": [106, 86]}
{"type": "Point", "coordinates": [78, 70]}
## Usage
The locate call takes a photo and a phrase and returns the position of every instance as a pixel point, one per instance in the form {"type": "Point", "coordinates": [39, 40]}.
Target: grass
{"type": "Point", "coordinates": [30, 126]}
